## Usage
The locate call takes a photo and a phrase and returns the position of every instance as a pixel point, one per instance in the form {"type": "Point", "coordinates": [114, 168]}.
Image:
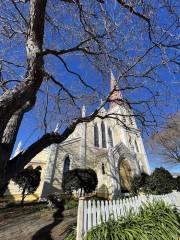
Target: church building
{"type": "Point", "coordinates": [112, 146]}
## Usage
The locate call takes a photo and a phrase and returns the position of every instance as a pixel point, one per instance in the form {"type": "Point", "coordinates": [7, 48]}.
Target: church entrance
{"type": "Point", "coordinates": [125, 173]}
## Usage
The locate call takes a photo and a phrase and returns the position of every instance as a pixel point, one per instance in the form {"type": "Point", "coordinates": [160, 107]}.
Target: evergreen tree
{"type": "Point", "coordinates": [28, 181]}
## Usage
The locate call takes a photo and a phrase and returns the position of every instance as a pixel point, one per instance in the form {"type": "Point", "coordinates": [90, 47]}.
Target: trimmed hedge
{"type": "Point", "coordinates": [79, 178]}
{"type": "Point", "coordinates": [159, 182]}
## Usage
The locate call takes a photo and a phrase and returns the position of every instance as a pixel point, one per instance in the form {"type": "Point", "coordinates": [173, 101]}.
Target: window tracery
{"type": "Point", "coordinates": [66, 167]}
{"type": "Point", "coordinates": [110, 137]}
{"type": "Point", "coordinates": [96, 135]}
{"type": "Point", "coordinates": [103, 135]}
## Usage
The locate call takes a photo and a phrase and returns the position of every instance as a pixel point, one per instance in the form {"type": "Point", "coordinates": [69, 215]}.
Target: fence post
{"type": "Point", "coordinates": [176, 198]}
{"type": "Point", "coordinates": [80, 219]}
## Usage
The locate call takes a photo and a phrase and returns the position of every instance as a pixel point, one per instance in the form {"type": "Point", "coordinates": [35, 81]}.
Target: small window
{"type": "Point", "coordinates": [96, 136]}
{"type": "Point", "coordinates": [66, 165]}
{"type": "Point", "coordinates": [130, 144]}
{"type": "Point", "coordinates": [103, 135]}
{"type": "Point", "coordinates": [103, 169]}
{"type": "Point", "coordinates": [110, 137]}
{"type": "Point", "coordinates": [136, 145]}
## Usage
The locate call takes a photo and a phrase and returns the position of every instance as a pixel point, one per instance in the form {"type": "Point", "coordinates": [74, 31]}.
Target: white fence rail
{"type": "Point", "coordinates": [92, 213]}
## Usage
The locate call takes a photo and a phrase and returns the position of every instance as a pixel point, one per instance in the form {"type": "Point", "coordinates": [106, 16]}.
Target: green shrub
{"type": "Point", "coordinates": [159, 182]}
{"type": "Point", "coordinates": [79, 179]}
{"type": "Point", "coordinates": [71, 233]}
{"type": "Point", "coordinates": [155, 221]}
{"type": "Point", "coordinates": [138, 182]}
{"type": "Point", "coordinates": [63, 201]}
{"type": "Point", "coordinates": [56, 200]}
{"type": "Point", "coordinates": [177, 183]}
{"type": "Point", "coordinates": [70, 203]}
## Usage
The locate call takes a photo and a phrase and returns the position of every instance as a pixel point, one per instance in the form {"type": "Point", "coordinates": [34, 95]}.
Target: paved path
{"type": "Point", "coordinates": [36, 226]}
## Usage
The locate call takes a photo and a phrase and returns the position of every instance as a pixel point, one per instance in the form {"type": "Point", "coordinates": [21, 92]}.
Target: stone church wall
{"type": "Point", "coordinates": [71, 149]}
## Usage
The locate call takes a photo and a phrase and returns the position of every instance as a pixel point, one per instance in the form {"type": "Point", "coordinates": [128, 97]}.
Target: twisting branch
{"type": "Point", "coordinates": [72, 97]}
{"type": "Point", "coordinates": [77, 48]}
{"type": "Point", "coordinates": [20, 13]}
{"type": "Point", "coordinates": [132, 10]}
{"type": "Point", "coordinates": [138, 14]}
{"type": "Point", "coordinates": [76, 74]}
{"type": "Point", "coordinates": [12, 63]}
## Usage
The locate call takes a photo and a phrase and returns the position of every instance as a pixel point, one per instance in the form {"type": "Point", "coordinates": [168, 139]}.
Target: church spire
{"type": "Point", "coordinates": [116, 94]}
{"type": "Point", "coordinates": [18, 149]}
{"type": "Point", "coordinates": [83, 111]}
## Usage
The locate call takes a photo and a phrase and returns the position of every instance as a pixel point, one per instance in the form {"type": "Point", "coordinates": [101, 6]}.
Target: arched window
{"type": "Point", "coordinates": [130, 144]}
{"type": "Point", "coordinates": [66, 165]}
{"type": "Point", "coordinates": [103, 169]}
{"type": "Point", "coordinates": [96, 135]}
{"type": "Point", "coordinates": [110, 137]}
{"type": "Point", "coordinates": [136, 145]}
{"type": "Point", "coordinates": [103, 135]}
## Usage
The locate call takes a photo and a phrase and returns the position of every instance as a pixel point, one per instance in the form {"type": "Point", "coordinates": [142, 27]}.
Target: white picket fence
{"type": "Point", "coordinates": [91, 212]}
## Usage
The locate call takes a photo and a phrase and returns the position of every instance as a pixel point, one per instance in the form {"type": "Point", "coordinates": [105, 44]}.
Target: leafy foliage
{"type": "Point", "coordinates": [138, 182]}
{"type": "Point", "coordinates": [177, 183]}
{"type": "Point", "coordinates": [155, 221]}
{"type": "Point", "coordinates": [62, 201]}
{"type": "Point", "coordinates": [84, 179]}
{"type": "Point", "coordinates": [159, 182]}
{"type": "Point", "coordinates": [28, 181]}
{"type": "Point", "coordinates": [56, 200]}
{"type": "Point", "coordinates": [72, 233]}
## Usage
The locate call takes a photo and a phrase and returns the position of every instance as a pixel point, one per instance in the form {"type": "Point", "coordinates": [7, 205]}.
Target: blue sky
{"type": "Point", "coordinates": [29, 133]}
{"type": "Point", "coordinates": [169, 92]}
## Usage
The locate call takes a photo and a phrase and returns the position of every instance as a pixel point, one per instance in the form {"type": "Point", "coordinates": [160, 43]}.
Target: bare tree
{"type": "Point", "coordinates": [39, 41]}
{"type": "Point", "coordinates": [166, 142]}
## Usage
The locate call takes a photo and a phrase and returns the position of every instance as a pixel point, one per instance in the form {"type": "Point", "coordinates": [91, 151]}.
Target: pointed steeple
{"type": "Point", "coordinates": [83, 111]}
{"type": "Point", "coordinates": [57, 128]}
{"type": "Point", "coordinates": [18, 149]}
{"type": "Point", "coordinates": [116, 94]}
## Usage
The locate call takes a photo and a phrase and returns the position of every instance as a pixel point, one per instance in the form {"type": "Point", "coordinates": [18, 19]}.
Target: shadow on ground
{"type": "Point", "coordinates": [45, 232]}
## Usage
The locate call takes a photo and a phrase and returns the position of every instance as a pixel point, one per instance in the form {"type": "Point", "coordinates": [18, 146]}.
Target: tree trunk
{"type": "Point", "coordinates": [23, 195]}
{"type": "Point", "coordinates": [13, 101]}
{"type": "Point", "coordinates": [3, 189]}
